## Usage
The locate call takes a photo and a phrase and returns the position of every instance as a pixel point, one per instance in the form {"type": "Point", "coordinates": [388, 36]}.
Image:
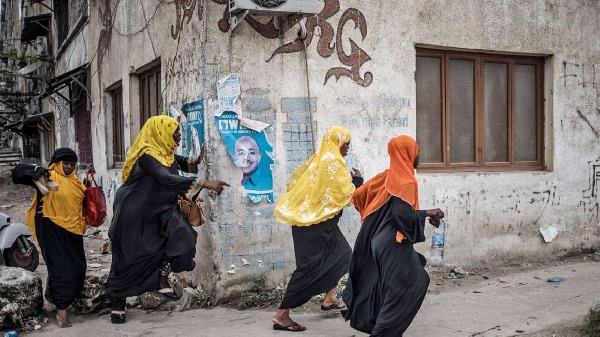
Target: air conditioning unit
{"type": "Point", "coordinates": [274, 7]}
{"type": "Point", "coordinates": [41, 46]}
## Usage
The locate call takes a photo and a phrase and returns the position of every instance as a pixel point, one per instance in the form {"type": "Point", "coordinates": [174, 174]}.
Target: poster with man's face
{"type": "Point", "coordinates": [248, 150]}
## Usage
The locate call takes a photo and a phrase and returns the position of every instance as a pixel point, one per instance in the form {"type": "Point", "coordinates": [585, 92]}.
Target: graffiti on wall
{"type": "Point", "coordinates": [591, 201]}
{"type": "Point", "coordinates": [329, 39]}
{"type": "Point", "coordinates": [184, 12]}
{"type": "Point", "coordinates": [583, 75]}
{"type": "Point", "coordinates": [586, 77]}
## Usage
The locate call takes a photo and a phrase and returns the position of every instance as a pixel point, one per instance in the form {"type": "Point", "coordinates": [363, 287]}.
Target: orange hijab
{"type": "Point", "coordinates": [399, 180]}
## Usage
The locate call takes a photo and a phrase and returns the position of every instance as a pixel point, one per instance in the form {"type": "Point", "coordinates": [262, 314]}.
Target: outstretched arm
{"type": "Point", "coordinates": [163, 176]}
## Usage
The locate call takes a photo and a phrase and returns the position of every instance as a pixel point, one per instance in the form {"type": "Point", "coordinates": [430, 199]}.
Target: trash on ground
{"type": "Point", "coordinates": [556, 279]}
{"type": "Point", "coordinates": [552, 231]}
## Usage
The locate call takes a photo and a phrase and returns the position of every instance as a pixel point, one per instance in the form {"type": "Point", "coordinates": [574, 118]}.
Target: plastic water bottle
{"type": "Point", "coordinates": [11, 334]}
{"type": "Point", "coordinates": [437, 243]}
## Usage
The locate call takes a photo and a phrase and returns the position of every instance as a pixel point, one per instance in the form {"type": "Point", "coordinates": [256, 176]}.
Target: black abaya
{"type": "Point", "coordinates": [147, 228]}
{"type": "Point", "coordinates": [387, 281]}
{"type": "Point", "coordinates": [322, 258]}
{"type": "Point", "coordinates": [65, 259]}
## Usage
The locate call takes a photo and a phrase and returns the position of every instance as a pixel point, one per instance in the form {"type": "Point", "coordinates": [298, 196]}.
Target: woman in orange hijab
{"type": "Point", "coordinates": [387, 282]}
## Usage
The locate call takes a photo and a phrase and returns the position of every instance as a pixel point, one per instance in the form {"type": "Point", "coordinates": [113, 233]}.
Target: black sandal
{"type": "Point", "coordinates": [339, 305]}
{"type": "Point", "coordinates": [290, 327]}
{"type": "Point", "coordinates": [117, 315]}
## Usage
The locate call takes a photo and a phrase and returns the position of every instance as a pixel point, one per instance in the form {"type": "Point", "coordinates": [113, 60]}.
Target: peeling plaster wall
{"type": "Point", "coordinates": [361, 64]}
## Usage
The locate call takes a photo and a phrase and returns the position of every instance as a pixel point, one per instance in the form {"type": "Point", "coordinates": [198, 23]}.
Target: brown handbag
{"type": "Point", "coordinates": [192, 210]}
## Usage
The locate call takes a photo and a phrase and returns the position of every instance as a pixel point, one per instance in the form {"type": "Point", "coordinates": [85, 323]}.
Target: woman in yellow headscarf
{"type": "Point", "coordinates": [387, 281]}
{"type": "Point", "coordinates": [149, 234]}
{"type": "Point", "coordinates": [56, 218]}
{"type": "Point", "coordinates": [317, 192]}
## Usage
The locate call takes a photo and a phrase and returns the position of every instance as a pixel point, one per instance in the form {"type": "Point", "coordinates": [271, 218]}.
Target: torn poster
{"type": "Point", "coordinates": [249, 150]}
{"type": "Point", "coordinates": [191, 126]}
{"type": "Point", "coordinates": [194, 131]}
{"type": "Point", "coordinates": [228, 92]}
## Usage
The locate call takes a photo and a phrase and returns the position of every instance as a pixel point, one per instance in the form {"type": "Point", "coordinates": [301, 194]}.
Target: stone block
{"type": "Point", "coordinates": [93, 298]}
{"type": "Point", "coordinates": [152, 300]}
{"type": "Point", "coordinates": [20, 296]}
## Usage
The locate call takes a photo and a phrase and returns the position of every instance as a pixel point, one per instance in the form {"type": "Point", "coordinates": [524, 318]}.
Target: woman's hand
{"type": "Point", "coordinates": [90, 170]}
{"type": "Point", "coordinates": [434, 216]}
{"type": "Point", "coordinates": [215, 185]}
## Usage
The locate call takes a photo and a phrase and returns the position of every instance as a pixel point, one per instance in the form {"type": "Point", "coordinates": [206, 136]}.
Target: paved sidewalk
{"type": "Point", "coordinates": [496, 307]}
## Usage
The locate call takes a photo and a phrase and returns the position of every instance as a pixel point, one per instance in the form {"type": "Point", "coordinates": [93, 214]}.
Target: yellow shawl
{"type": "Point", "coordinates": [64, 206]}
{"type": "Point", "coordinates": [155, 139]}
{"type": "Point", "coordinates": [319, 188]}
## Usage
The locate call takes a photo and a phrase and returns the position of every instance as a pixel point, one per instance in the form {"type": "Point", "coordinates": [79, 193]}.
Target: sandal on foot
{"type": "Point", "coordinates": [293, 327]}
{"type": "Point", "coordinates": [117, 315]}
{"type": "Point", "coordinates": [339, 305]}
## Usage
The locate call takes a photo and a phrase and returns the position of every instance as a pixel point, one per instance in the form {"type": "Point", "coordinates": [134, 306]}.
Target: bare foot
{"type": "Point", "coordinates": [328, 301]}
{"type": "Point", "coordinates": [63, 319]}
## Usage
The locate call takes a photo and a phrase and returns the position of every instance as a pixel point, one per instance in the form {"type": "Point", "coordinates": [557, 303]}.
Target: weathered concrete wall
{"type": "Point", "coordinates": [359, 73]}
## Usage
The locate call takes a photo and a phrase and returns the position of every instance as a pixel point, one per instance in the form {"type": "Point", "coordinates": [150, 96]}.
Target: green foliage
{"type": "Point", "coordinates": [259, 296]}
{"type": "Point", "coordinates": [592, 321]}
{"type": "Point", "coordinates": [201, 300]}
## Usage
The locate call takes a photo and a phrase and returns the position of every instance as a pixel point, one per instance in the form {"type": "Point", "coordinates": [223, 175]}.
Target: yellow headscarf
{"type": "Point", "coordinates": [319, 188]}
{"type": "Point", "coordinates": [64, 206]}
{"type": "Point", "coordinates": [155, 139]}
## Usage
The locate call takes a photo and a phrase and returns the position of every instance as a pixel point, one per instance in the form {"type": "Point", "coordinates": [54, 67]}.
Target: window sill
{"type": "Point", "coordinates": [496, 169]}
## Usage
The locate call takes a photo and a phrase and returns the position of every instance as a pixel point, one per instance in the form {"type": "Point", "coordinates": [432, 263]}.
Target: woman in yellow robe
{"type": "Point", "coordinates": [317, 192]}
{"type": "Point", "coordinates": [56, 218]}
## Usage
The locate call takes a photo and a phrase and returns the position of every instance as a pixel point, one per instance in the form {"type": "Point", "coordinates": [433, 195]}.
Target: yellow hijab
{"type": "Point", "coordinates": [319, 188]}
{"type": "Point", "coordinates": [64, 206]}
{"type": "Point", "coordinates": [155, 139]}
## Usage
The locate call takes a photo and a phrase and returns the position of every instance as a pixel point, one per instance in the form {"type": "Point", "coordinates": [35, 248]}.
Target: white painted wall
{"type": "Point", "coordinates": [492, 217]}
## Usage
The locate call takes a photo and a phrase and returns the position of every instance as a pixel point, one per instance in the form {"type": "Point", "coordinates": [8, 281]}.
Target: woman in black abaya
{"type": "Point", "coordinates": [387, 281]}
{"type": "Point", "coordinates": [148, 232]}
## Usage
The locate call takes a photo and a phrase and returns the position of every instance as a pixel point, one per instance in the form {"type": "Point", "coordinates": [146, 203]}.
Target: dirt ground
{"type": "Point", "coordinates": [15, 199]}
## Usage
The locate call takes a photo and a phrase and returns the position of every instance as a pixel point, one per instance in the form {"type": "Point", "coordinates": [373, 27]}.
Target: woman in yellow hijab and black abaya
{"type": "Point", "coordinates": [148, 231]}
{"type": "Point", "coordinates": [56, 218]}
{"type": "Point", "coordinates": [387, 281]}
{"type": "Point", "coordinates": [317, 192]}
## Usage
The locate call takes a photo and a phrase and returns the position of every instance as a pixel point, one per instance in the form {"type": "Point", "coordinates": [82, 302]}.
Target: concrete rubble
{"type": "Point", "coordinates": [20, 296]}
{"type": "Point", "coordinates": [93, 298]}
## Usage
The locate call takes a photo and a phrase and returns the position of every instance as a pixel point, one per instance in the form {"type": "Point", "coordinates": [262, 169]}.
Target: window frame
{"type": "Point", "coordinates": [116, 91]}
{"type": "Point", "coordinates": [153, 70]}
{"type": "Point", "coordinates": [480, 59]}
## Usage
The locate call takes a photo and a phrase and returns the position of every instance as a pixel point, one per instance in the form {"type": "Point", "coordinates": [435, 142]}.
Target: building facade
{"type": "Point", "coordinates": [502, 96]}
